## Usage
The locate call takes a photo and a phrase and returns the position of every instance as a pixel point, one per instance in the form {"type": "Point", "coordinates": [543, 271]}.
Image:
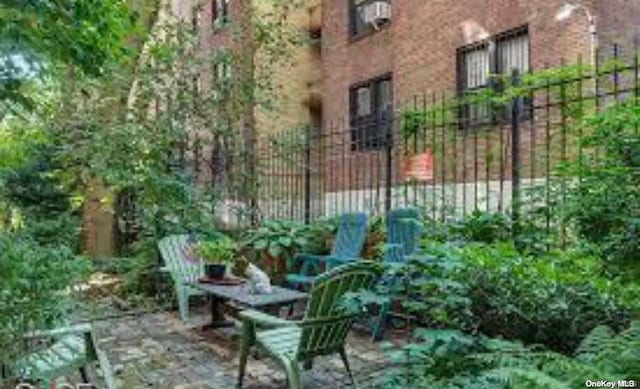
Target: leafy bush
{"type": "Point", "coordinates": [450, 359]}
{"type": "Point", "coordinates": [35, 289]}
{"type": "Point", "coordinates": [138, 280]}
{"type": "Point", "coordinates": [487, 227]}
{"type": "Point", "coordinates": [278, 238]}
{"type": "Point", "coordinates": [42, 200]}
{"type": "Point", "coordinates": [554, 299]}
{"type": "Point", "coordinates": [319, 235]}
{"type": "Point", "coordinates": [604, 204]}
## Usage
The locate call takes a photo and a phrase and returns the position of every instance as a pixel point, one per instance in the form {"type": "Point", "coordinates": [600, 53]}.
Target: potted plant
{"type": "Point", "coordinates": [216, 255]}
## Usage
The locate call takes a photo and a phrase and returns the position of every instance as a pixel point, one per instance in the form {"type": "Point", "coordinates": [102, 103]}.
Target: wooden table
{"type": "Point", "coordinates": [241, 295]}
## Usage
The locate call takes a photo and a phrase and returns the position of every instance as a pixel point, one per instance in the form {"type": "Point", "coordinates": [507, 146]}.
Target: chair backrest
{"type": "Point", "coordinates": [404, 228]}
{"type": "Point", "coordinates": [326, 322]}
{"type": "Point", "coordinates": [352, 232]}
{"type": "Point", "coordinates": [173, 249]}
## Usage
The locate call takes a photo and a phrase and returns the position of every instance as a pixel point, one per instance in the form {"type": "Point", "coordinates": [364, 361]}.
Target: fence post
{"type": "Point", "coordinates": [389, 162]}
{"type": "Point", "coordinates": [516, 112]}
{"type": "Point", "coordinates": [307, 176]}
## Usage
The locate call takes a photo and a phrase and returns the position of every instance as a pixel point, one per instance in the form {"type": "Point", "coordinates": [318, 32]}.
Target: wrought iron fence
{"type": "Point", "coordinates": [432, 155]}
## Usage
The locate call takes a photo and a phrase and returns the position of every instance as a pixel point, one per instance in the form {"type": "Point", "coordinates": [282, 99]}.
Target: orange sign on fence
{"type": "Point", "coordinates": [419, 167]}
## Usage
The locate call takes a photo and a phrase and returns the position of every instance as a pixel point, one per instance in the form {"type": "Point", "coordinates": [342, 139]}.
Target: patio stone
{"type": "Point", "coordinates": [156, 350]}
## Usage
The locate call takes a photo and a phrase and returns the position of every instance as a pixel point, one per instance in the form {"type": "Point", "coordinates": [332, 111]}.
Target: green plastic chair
{"type": "Point", "coordinates": [71, 349]}
{"type": "Point", "coordinates": [182, 269]}
{"type": "Point", "coordinates": [404, 228]}
{"type": "Point", "coordinates": [322, 331]}
{"type": "Point", "coordinates": [352, 232]}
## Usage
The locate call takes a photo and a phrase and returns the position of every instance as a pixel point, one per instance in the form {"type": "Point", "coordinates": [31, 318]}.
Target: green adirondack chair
{"type": "Point", "coordinates": [322, 331]}
{"type": "Point", "coordinates": [404, 228]}
{"type": "Point", "coordinates": [70, 350]}
{"type": "Point", "coordinates": [352, 232]}
{"type": "Point", "coordinates": [182, 269]}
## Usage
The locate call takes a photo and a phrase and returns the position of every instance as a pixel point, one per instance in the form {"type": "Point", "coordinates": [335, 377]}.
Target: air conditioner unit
{"type": "Point", "coordinates": [377, 12]}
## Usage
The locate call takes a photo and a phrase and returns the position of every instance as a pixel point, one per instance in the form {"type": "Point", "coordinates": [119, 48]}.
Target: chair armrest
{"type": "Point", "coordinates": [310, 264]}
{"type": "Point", "coordinates": [73, 329]}
{"type": "Point", "coordinates": [338, 261]}
{"type": "Point", "coordinates": [265, 320]}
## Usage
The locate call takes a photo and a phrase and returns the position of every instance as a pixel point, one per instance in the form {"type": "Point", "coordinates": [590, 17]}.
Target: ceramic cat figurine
{"type": "Point", "coordinates": [258, 280]}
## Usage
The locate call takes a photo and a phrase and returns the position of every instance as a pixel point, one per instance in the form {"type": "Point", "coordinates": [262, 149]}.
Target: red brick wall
{"type": "Point", "coordinates": [618, 22]}
{"type": "Point", "coordinates": [419, 48]}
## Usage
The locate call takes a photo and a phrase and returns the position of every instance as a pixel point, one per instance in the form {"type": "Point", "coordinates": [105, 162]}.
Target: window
{"type": "Point", "coordinates": [221, 79]}
{"type": "Point", "coordinates": [195, 15]}
{"type": "Point", "coordinates": [223, 71]}
{"type": "Point", "coordinates": [499, 55]}
{"type": "Point", "coordinates": [368, 15]}
{"type": "Point", "coordinates": [371, 113]}
{"type": "Point", "coordinates": [219, 12]}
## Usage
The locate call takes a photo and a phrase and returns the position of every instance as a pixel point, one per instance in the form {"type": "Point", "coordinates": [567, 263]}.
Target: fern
{"type": "Point", "coordinates": [622, 353]}
{"type": "Point", "coordinates": [498, 364]}
{"type": "Point", "coordinates": [525, 378]}
{"type": "Point", "coordinates": [595, 343]}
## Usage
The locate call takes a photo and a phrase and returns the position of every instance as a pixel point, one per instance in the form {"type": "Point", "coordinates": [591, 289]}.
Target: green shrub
{"type": "Point", "coordinates": [285, 238]}
{"type": "Point", "coordinates": [487, 227]}
{"type": "Point", "coordinates": [603, 205]}
{"type": "Point", "coordinates": [553, 299]}
{"type": "Point", "coordinates": [451, 359]}
{"type": "Point", "coordinates": [43, 201]}
{"type": "Point", "coordinates": [35, 289]}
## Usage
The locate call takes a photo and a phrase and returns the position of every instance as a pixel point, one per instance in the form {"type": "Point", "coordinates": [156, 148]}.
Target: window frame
{"type": "Point", "coordinates": [219, 20]}
{"type": "Point", "coordinates": [367, 133]}
{"type": "Point", "coordinates": [499, 115]}
{"type": "Point", "coordinates": [352, 30]}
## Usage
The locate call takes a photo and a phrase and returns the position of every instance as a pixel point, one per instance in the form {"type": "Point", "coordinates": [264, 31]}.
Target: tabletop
{"type": "Point", "coordinates": [242, 294]}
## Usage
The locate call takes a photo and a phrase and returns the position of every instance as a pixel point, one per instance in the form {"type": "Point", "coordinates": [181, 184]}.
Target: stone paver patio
{"type": "Point", "coordinates": [155, 350]}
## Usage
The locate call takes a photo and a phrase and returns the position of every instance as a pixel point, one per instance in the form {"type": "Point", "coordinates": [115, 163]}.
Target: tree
{"type": "Point", "coordinates": [39, 35]}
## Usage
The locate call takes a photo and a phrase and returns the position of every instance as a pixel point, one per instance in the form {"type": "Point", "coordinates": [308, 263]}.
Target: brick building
{"type": "Point", "coordinates": [420, 48]}
{"type": "Point", "coordinates": [369, 70]}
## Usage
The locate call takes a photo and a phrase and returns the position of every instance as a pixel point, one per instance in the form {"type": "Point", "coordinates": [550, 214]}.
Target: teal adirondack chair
{"type": "Point", "coordinates": [352, 232]}
{"type": "Point", "coordinates": [182, 269]}
{"type": "Point", "coordinates": [404, 228]}
{"type": "Point", "coordinates": [322, 331]}
{"type": "Point", "coordinates": [71, 349]}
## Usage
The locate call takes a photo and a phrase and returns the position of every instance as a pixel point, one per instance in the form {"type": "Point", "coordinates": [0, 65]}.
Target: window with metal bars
{"type": "Point", "coordinates": [195, 16]}
{"type": "Point", "coordinates": [221, 78]}
{"type": "Point", "coordinates": [500, 55]}
{"type": "Point", "coordinates": [219, 12]}
{"type": "Point", "coordinates": [371, 113]}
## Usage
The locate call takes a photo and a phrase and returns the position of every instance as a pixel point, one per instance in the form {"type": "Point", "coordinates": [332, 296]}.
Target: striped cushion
{"type": "Point", "coordinates": [66, 354]}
